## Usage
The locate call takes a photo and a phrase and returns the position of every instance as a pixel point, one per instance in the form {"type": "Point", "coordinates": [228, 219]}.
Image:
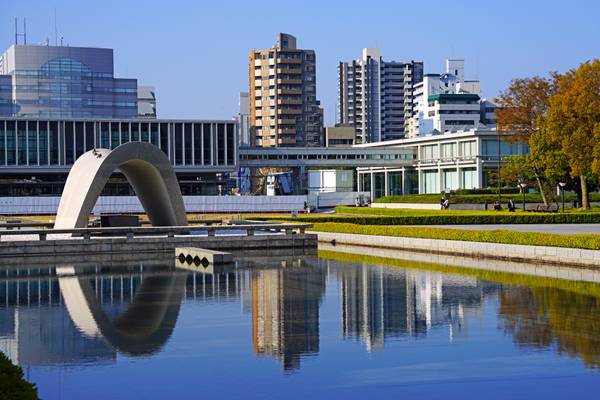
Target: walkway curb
{"type": "Point", "coordinates": [512, 252]}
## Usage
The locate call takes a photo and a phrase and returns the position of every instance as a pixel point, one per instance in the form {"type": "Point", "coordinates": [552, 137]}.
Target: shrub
{"type": "Point", "coordinates": [459, 198]}
{"type": "Point", "coordinates": [12, 384]}
{"type": "Point", "coordinates": [445, 218]}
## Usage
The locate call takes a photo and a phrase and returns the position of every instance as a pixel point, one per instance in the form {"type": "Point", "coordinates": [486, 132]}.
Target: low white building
{"type": "Point", "coordinates": [451, 161]}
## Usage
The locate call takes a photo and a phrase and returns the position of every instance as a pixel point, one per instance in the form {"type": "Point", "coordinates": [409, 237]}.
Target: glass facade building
{"type": "Point", "coordinates": [64, 82]}
{"type": "Point", "coordinates": [34, 148]}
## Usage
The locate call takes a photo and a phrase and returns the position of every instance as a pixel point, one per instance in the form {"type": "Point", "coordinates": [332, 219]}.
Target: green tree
{"type": "Point", "coordinates": [572, 123]}
{"type": "Point", "coordinates": [521, 114]}
{"type": "Point", "coordinates": [12, 384]}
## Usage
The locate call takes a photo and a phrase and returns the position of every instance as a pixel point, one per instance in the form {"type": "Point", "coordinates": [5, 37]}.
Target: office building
{"type": "Point", "coordinates": [376, 96]}
{"type": "Point", "coordinates": [42, 81]}
{"type": "Point", "coordinates": [36, 154]}
{"type": "Point", "coordinates": [284, 110]}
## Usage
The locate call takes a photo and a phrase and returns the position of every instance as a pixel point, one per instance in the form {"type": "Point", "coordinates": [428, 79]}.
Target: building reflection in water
{"type": "Point", "coordinates": [380, 302]}
{"type": "Point", "coordinates": [134, 310]}
{"type": "Point", "coordinates": [285, 312]}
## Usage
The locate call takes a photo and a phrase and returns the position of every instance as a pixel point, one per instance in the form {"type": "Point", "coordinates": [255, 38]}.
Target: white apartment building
{"type": "Point", "coordinates": [446, 103]}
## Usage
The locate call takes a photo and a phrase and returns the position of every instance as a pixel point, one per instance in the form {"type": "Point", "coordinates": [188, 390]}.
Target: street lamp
{"type": "Point", "coordinates": [562, 185]}
{"type": "Point", "coordinates": [522, 186]}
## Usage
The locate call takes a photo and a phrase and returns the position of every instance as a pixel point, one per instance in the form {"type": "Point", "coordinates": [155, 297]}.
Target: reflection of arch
{"type": "Point", "coordinates": [146, 324]}
{"type": "Point", "coordinates": [146, 168]}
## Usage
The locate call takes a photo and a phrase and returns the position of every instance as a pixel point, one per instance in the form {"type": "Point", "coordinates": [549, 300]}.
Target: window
{"type": "Point", "coordinates": [448, 150]}
{"type": "Point", "coordinates": [467, 149]}
{"type": "Point", "coordinates": [429, 152]}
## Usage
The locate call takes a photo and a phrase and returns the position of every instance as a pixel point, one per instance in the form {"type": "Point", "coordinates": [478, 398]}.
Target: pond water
{"type": "Point", "coordinates": [298, 327]}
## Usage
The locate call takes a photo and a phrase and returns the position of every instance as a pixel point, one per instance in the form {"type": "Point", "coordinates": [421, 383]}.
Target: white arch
{"type": "Point", "coordinates": [147, 169]}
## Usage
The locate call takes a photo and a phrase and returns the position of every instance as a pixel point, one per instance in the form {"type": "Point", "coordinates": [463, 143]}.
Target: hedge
{"type": "Point", "coordinates": [474, 198]}
{"type": "Point", "coordinates": [579, 241]}
{"type": "Point", "coordinates": [445, 219]}
{"type": "Point", "coordinates": [12, 384]}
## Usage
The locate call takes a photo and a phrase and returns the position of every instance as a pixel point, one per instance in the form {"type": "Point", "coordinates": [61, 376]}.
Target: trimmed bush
{"type": "Point", "coordinates": [474, 198]}
{"type": "Point", "coordinates": [12, 384]}
{"type": "Point", "coordinates": [445, 218]}
{"type": "Point", "coordinates": [579, 241]}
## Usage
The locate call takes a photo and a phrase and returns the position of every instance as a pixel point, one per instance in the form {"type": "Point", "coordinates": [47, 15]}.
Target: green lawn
{"type": "Point", "coordinates": [580, 241]}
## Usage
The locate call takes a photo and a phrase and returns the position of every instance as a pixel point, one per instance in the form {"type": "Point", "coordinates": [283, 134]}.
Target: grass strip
{"type": "Point", "coordinates": [579, 241]}
{"type": "Point", "coordinates": [585, 288]}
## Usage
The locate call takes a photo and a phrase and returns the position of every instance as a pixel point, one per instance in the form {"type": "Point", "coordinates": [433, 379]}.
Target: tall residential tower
{"type": "Point", "coordinates": [376, 96]}
{"type": "Point", "coordinates": [284, 110]}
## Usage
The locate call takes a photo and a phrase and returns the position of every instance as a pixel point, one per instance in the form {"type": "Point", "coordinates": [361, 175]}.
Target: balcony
{"type": "Point", "coordinates": [286, 121]}
{"type": "Point", "coordinates": [289, 111]}
{"type": "Point", "coordinates": [286, 131]}
{"type": "Point", "coordinates": [289, 91]}
{"type": "Point", "coordinates": [289, 81]}
{"type": "Point", "coordinates": [289, 101]}
{"type": "Point", "coordinates": [289, 71]}
{"type": "Point", "coordinates": [289, 61]}
{"type": "Point", "coordinates": [286, 141]}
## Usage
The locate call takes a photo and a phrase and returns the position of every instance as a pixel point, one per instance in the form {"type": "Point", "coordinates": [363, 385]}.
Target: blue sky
{"type": "Point", "coordinates": [195, 52]}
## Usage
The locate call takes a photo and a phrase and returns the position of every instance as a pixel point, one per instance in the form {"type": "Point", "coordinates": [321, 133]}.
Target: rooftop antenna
{"type": "Point", "coordinates": [55, 29]}
{"type": "Point", "coordinates": [17, 34]}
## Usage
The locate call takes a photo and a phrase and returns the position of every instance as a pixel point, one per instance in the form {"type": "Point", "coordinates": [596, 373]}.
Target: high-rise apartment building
{"type": "Point", "coordinates": [284, 110]}
{"type": "Point", "coordinates": [376, 96]}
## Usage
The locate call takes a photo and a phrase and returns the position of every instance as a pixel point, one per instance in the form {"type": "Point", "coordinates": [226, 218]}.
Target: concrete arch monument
{"type": "Point", "coordinates": [146, 168]}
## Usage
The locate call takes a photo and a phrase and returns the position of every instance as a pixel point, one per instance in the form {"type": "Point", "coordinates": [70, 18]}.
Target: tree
{"type": "Point", "coordinates": [521, 112]}
{"type": "Point", "coordinates": [572, 122]}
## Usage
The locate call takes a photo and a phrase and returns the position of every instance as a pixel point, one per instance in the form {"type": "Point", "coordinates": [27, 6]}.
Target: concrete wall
{"type": "Point", "coordinates": [543, 254]}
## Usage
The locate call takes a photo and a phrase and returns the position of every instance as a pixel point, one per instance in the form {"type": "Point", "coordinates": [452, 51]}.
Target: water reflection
{"type": "Point", "coordinates": [88, 315]}
{"type": "Point", "coordinates": [543, 317]}
{"type": "Point", "coordinates": [381, 302]}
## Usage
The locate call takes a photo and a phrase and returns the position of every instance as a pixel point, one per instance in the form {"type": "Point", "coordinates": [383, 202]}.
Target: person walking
{"type": "Point", "coordinates": [511, 205]}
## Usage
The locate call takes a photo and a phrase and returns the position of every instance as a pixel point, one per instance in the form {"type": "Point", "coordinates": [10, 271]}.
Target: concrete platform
{"type": "Point", "coordinates": [138, 245]}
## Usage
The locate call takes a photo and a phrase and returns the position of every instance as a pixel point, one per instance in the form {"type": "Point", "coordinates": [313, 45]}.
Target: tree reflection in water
{"type": "Point", "coordinates": [544, 317]}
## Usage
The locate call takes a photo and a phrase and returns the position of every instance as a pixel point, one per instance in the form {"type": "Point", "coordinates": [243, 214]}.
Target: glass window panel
{"type": "Point", "coordinates": [178, 144]}
{"type": "Point", "coordinates": [21, 143]}
{"type": "Point", "coordinates": [79, 145]}
{"type": "Point", "coordinates": [198, 144]}
{"type": "Point", "coordinates": [53, 137]}
{"type": "Point", "coordinates": [2, 144]}
{"type": "Point", "coordinates": [220, 144]}
{"type": "Point", "coordinates": [32, 142]}
{"type": "Point", "coordinates": [154, 134]}
{"type": "Point", "coordinates": [124, 132]}
{"type": "Point", "coordinates": [104, 136]}
{"type": "Point", "coordinates": [115, 136]}
{"type": "Point", "coordinates": [145, 135]}
{"type": "Point", "coordinates": [230, 144]}
{"type": "Point", "coordinates": [207, 140]}
{"type": "Point", "coordinates": [43, 142]}
{"type": "Point", "coordinates": [164, 138]}
{"type": "Point", "coordinates": [89, 136]}
{"type": "Point", "coordinates": [69, 134]}
{"type": "Point", "coordinates": [135, 132]}
{"type": "Point", "coordinates": [188, 143]}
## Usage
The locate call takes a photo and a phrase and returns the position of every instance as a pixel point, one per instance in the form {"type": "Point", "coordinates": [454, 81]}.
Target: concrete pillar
{"type": "Point", "coordinates": [478, 174]}
{"type": "Point", "coordinates": [458, 183]}
{"type": "Point", "coordinates": [385, 183]}
{"type": "Point", "coordinates": [372, 186]}
{"type": "Point", "coordinates": [403, 181]}
{"type": "Point", "coordinates": [439, 180]}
